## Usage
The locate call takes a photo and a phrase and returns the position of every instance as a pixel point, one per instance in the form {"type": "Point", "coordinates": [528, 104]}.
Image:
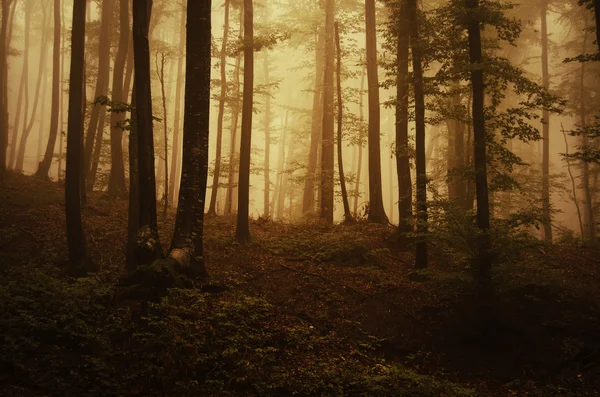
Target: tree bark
{"type": "Point", "coordinates": [234, 123]}
{"type": "Point", "coordinates": [376, 209]}
{"type": "Point", "coordinates": [3, 87]}
{"type": "Point", "coordinates": [175, 162]}
{"type": "Point", "coordinates": [44, 167]}
{"type": "Point", "coordinates": [242, 232]}
{"type": "Point", "coordinates": [416, 50]}
{"type": "Point", "coordinates": [545, 128]}
{"type": "Point", "coordinates": [101, 83]}
{"type": "Point", "coordinates": [483, 260]}
{"type": "Point", "coordinates": [267, 172]}
{"type": "Point", "coordinates": [308, 197]}
{"type": "Point", "coordinates": [222, 98]}
{"type": "Point", "coordinates": [187, 246]}
{"type": "Point", "coordinates": [22, 89]}
{"type": "Point", "coordinates": [161, 77]}
{"type": "Point", "coordinates": [79, 262]}
{"type": "Point", "coordinates": [116, 182]}
{"type": "Point", "coordinates": [347, 214]}
{"type": "Point", "coordinates": [402, 146]}
{"type": "Point", "coordinates": [149, 247]}
{"type": "Point", "coordinates": [328, 121]}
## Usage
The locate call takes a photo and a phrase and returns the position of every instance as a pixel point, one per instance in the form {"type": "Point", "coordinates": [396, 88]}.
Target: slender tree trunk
{"type": "Point", "coordinates": [175, 162]}
{"type": "Point", "coordinates": [44, 167]}
{"type": "Point", "coordinates": [589, 207]}
{"type": "Point", "coordinates": [280, 164]}
{"type": "Point", "coordinates": [545, 128]}
{"type": "Point", "coordinates": [133, 215]}
{"type": "Point", "coordinates": [42, 119]}
{"type": "Point", "coordinates": [221, 115]}
{"type": "Point", "coordinates": [3, 87]}
{"type": "Point", "coordinates": [187, 245]}
{"type": "Point", "coordinates": [91, 177]}
{"type": "Point", "coordinates": [161, 78]}
{"type": "Point", "coordinates": [360, 141]}
{"type": "Point", "coordinates": [573, 185]}
{"type": "Point", "coordinates": [149, 247]}
{"type": "Point", "coordinates": [308, 198]}
{"type": "Point", "coordinates": [402, 146]}
{"type": "Point", "coordinates": [21, 93]}
{"type": "Point", "coordinates": [327, 128]}
{"type": "Point", "coordinates": [242, 232]}
{"type": "Point", "coordinates": [480, 159]}
{"type": "Point", "coordinates": [128, 71]}
{"type": "Point", "coordinates": [415, 46]}
{"type": "Point", "coordinates": [376, 210]}
{"type": "Point", "coordinates": [285, 178]}
{"type": "Point", "coordinates": [267, 172]}
{"type": "Point", "coordinates": [62, 98]}
{"type": "Point", "coordinates": [79, 262]}
{"type": "Point", "coordinates": [234, 123]}
{"type": "Point", "coordinates": [27, 128]}
{"type": "Point", "coordinates": [101, 83]}
{"type": "Point", "coordinates": [116, 182]}
{"type": "Point", "coordinates": [347, 214]}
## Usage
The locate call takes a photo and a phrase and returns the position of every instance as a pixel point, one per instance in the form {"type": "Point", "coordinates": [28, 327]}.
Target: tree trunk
{"type": "Point", "coordinates": [27, 128]}
{"type": "Point", "coordinates": [22, 90]}
{"type": "Point", "coordinates": [545, 129]}
{"type": "Point", "coordinates": [44, 167]}
{"type": "Point", "coordinates": [133, 214]}
{"type": "Point", "coordinates": [402, 146]}
{"type": "Point", "coordinates": [234, 123]}
{"type": "Point", "coordinates": [187, 246]}
{"type": "Point", "coordinates": [161, 79]}
{"type": "Point", "coordinates": [483, 260]}
{"type": "Point", "coordinates": [221, 115]}
{"type": "Point", "coordinates": [415, 46]}
{"type": "Point", "coordinates": [267, 172]}
{"type": "Point", "coordinates": [280, 164]}
{"type": "Point", "coordinates": [308, 197]}
{"type": "Point", "coordinates": [62, 99]}
{"type": "Point", "coordinates": [242, 232]}
{"type": "Point", "coordinates": [79, 262]}
{"type": "Point", "coordinates": [360, 141]}
{"type": "Point", "coordinates": [347, 214]}
{"type": "Point", "coordinates": [149, 247]}
{"type": "Point", "coordinates": [376, 209]}
{"type": "Point", "coordinates": [327, 128]}
{"type": "Point", "coordinates": [116, 182]}
{"type": "Point", "coordinates": [101, 82]}
{"type": "Point", "coordinates": [3, 87]}
{"type": "Point", "coordinates": [175, 162]}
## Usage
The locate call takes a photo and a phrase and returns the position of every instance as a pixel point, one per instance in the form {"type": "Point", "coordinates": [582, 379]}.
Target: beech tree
{"type": "Point", "coordinates": [242, 232]}
{"type": "Point", "coordinates": [3, 87]}
{"type": "Point", "coordinates": [327, 127]}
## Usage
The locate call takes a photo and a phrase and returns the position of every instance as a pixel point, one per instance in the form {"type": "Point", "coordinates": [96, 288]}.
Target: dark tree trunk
{"type": "Point", "coordinates": [91, 177]}
{"type": "Point", "coordinates": [376, 209]}
{"type": "Point", "coordinates": [327, 128]}
{"type": "Point", "coordinates": [175, 162]}
{"type": "Point", "coordinates": [133, 215]}
{"type": "Point", "coordinates": [242, 232]}
{"type": "Point", "coordinates": [116, 184]}
{"type": "Point", "coordinates": [597, 20]}
{"type": "Point", "coordinates": [308, 198]}
{"type": "Point", "coordinates": [415, 46]}
{"type": "Point", "coordinates": [267, 172]}
{"type": "Point", "coordinates": [149, 247]}
{"type": "Point", "coordinates": [360, 141]}
{"type": "Point", "coordinates": [235, 111]}
{"type": "Point", "coordinates": [79, 262]}
{"type": "Point", "coordinates": [480, 159]}
{"type": "Point", "coordinates": [402, 147]}
{"type": "Point", "coordinates": [222, 98]}
{"type": "Point", "coordinates": [44, 167]}
{"type": "Point", "coordinates": [62, 99]}
{"type": "Point", "coordinates": [101, 82]}
{"type": "Point", "coordinates": [187, 248]}
{"type": "Point", "coordinates": [3, 88]}
{"type": "Point", "coordinates": [161, 78]}
{"type": "Point", "coordinates": [340, 105]}
{"type": "Point", "coordinates": [545, 128]}
{"type": "Point", "coordinates": [21, 94]}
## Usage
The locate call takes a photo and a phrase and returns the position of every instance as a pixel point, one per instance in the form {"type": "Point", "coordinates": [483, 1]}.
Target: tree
{"type": "Point", "coordinates": [116, 183]}
{"type": "Point", "coordinates": [98, 112]}
{"type": "Point", "coordinates": [545, 127]}
{"type": "Point", "coordinates": [242, 230]}
{"type": "Point", "coordinates": [376, 209]}
{"type": "Point", "coordinates": [187, 246]}
{"type": "Point", "coordinates": [160, 71]}
{"type": "Point", "coordinates": [223, 68]}
{"type": "Point", "coordinates": [417, 59]}
{"type": "Point", "coordinates": [44, 166]}
{"type": "Point", "coordinates": [327, 127]}
{"type": "Point", "coordinates": [149, 247]}
{"type": "Point", "coordinates": [402, 147]}
{"type": "Point", "coordinates": [79, 262]}
{"type": "Point", "coordinates": [3, 87]}
{"type": "Point", "coordinates": [347, 214]}
{"type": "Point", "coordinates": [483, 262]}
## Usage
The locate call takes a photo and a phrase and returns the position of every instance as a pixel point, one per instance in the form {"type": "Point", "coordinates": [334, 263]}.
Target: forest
{"type": "Point", "coordinates": [299, 197]}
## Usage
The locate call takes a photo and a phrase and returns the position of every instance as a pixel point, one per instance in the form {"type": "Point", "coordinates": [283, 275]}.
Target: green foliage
{"type": "Point", "coordinates": [65, 337]}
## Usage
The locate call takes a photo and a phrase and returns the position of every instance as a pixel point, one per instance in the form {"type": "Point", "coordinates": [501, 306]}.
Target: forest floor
{"type": "Point", "coordinates": [309, 309]}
